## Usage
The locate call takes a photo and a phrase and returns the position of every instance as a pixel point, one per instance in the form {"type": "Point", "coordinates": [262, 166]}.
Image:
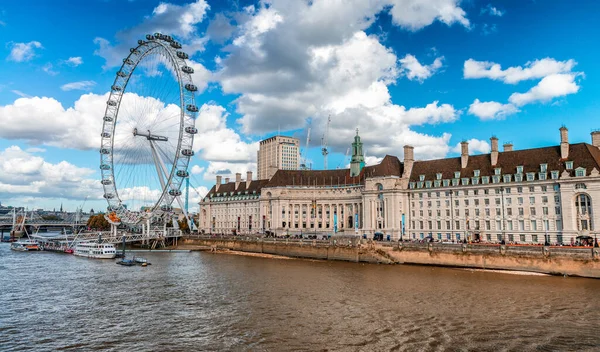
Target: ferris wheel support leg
{"type": "Point", "coordinates": [158, 161]}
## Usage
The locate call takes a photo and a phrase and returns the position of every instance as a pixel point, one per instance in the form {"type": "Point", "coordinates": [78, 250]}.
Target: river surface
{"type": "Point", "coordinates": [199, 301]}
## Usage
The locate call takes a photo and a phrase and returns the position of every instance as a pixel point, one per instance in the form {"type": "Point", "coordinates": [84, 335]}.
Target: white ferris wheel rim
{"type": "Point", "coordinates": [171, 190]}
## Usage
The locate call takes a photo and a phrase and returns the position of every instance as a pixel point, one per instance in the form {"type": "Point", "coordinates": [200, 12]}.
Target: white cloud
{"type": "Point", "coordinates": [74, 61]}
{"type": "Point", "coordinates": [81, 85]}
{"type": "Point", "coordinates": [552, 86]}
{"type": "Point", "coordinates": [177, 20]}
{"type": "Point", "coordinates": [196, 170]}
{"type": "Point", "coordinates": [491, 110]}
{"type": "Point", "coordinates": [492, 11]}
{"type": "Point", "coordinates": [293, 61]}
{"type": "Point", "coordinates": [417, 14]}
{"type": "Point", "coordinates": [35, 150]}
{"type": "Point", "coordinates": [216, 142]}
{"type": "Point", "coordinates": [24, 174]}
{"type": "Point", "coordinates": [48, 68]}
{"type": "Point", "coordinates": [476, 146]}
{"type": "Point", "coordinates": [22, 52]}
{"type": "Point", "coordinates": [21, 94]}
{"type": "Point", "coordinates": [532, 70]}
{"type": "Point", "coordinates": [414, 70]}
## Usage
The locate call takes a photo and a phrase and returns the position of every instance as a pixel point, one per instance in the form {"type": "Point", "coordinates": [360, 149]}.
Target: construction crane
{"type": "Point", "coordinates": [345, 160]}
{"type": "Point", "coordinates": [324, 141]}
{"type": "Point", "coordinates": [304, 153]}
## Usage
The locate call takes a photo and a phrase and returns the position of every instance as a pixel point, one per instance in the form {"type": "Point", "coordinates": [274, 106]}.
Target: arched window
{"type": "Point", "coordinates": [583, 204]}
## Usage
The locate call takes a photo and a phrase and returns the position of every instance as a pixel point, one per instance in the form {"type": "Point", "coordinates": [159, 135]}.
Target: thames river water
{"type": "Point", "coordinates": [200, 301]}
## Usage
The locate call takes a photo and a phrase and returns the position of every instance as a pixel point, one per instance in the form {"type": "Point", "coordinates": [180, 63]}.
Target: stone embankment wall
{"type": "Point", "coordinates": [583, 262]}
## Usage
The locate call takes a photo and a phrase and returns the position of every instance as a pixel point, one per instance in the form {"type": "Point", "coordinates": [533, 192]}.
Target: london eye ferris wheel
{"type": "Point", "coordinates": [148, 130]}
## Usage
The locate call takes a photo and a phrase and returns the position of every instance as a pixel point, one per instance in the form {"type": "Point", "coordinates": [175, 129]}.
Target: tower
{"type": "Point", "coordinates": [358, 159]}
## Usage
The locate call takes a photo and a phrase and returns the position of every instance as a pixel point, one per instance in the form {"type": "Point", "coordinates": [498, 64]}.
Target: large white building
{"type": "Point", "coordinates": [523, 196]}
{"type": "Point", "coordinates": [277, 153]}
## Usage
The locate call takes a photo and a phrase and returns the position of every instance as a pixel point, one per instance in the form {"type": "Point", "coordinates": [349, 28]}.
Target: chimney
{"type": "Point", "coordinates": [596, 138]}
{"type": "Point", "coordinates": [464, 154]}
{"type": "Point", "coordinates": [219, 177]}
{"type": "Point", "coordinates": [494, 153]}
{"type": "Point", "coordinates": [238, 179]}
{"type": "Point", "coordinates": [226, 180]}
{"type": "Point", "coordinates": [508, 147]}
{"type": "Point", "coordinates": [409, 159]}
{"type": "Point", "coordinates": [564, 142]}
{"type": "Point", "coordinates": [248, 178]}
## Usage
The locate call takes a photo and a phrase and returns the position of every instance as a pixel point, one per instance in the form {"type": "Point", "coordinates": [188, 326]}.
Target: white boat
{"type": "Point", "coordinates": [24, 246]}
{"type": "Point", "coordinates": [95, 250]}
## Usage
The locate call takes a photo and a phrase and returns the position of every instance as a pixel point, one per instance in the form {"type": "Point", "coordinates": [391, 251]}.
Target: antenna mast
{"type": "Point", "coordinates": [324, 141]}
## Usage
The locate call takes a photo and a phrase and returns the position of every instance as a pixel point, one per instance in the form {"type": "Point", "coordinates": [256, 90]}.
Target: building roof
{"type": "Point", "coordinates": [389, 166]}
{"type": "Point", "coordinates": [582, 154]}
{"type": "Point", "coordinates": [255, 186]}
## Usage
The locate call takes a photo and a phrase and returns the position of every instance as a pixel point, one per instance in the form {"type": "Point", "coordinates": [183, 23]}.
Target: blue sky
{"type": "Point", "coordinates": [428, 75]}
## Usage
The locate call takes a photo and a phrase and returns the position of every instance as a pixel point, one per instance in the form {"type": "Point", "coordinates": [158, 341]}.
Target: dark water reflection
{"type": "Point", "coordinates": [211, 302]}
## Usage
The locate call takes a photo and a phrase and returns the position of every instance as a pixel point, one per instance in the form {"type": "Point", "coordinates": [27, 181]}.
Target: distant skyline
{"type": "Point", "coordinates": [428, 73]}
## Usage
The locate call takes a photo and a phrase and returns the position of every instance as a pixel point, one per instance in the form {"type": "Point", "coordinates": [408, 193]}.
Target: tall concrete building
{"type": "Point", "coordinates": [277, 153]}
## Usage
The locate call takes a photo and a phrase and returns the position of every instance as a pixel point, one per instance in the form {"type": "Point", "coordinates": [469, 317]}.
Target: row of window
{"type": "Point", "coordinates": [490, 237]}
{"type": "Point", "coordinates": [510, 225]}
{"type": "Point", "coordinates": [487, 212]}
{"type": "Point", "coordinates": [505, 190]}
{"type": "Point", "coordinates": [498, 171]}
{"type": "Point", "coordinates": [486, 201]}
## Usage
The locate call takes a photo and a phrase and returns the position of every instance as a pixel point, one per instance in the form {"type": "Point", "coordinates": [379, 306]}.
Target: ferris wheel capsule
{"type": "Point", "coordinates": [106, 182]}
{"type": "Point", "coordinates": [182, 173]}
{"type": "Point", "coordinates": [192, 108]}
{"type": "Point", "coordinates": [116, 88]}
{"type": "Point", "coordinates": [187, 69]}
{"type": "Point", "coordinates": [182, 55]}
{"type": "Point", "coordinates": [191, 87]}
{"type": "Point", "coordinates": [105, 135]}
{"type": "Point", "coordinates": [175, 192]}
{"type": "Point", "coordinates": [187, 152]}
{"type": "Point", "coordinates": [149, 37]}
{"type": "Point", "coordinates": [191, 130]}
{"type": "Point", "coordinates": [108, 119]}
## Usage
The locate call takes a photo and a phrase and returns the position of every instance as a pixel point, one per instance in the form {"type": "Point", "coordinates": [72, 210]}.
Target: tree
{"type": "Point", "coordinates": [98, 222]}
{"type": "Point", "coordinates": [183, 225]}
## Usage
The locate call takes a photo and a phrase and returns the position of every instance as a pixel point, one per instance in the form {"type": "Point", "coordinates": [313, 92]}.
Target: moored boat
{"type": "Point", "coordinates": [95, 250]}
{"type": "Point", "coordinates": [24, 246]}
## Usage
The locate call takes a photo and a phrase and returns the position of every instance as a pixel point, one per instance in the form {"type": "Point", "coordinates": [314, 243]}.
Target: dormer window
{"type": "Point", "coordinates": [438, 176]}
{"type": "Point", "coordinates": [519, 169]}
{"type": "Point", "coordinates": [506, 178]}
{"type": "Point", "coordinates": [476, 173]}
{"type": "Point", "coordinates": [497, 171]}
{"type": "Point", "coordinates": [437, 183]}
{"type": "Point", "coordinates": [496, 178]}
{"type": "Point", "coordinates": [465, 181]}
{"type": "Point", "coordinates": [530, 176]}
{"type": "Point", "coordinates": [554, 175]}
{"type": "Point", "coordinates": [421, 177]}
{"type": "Point", "coordinates": [475, 180]}
{"type": "Point", "coordinates": [411, 185]}
{"type": "Point", "coordinates": [456, 174]}
{"type": "Point", "coordinates": [542, 176]}
{"type": "Point", "coordinates": [428, 184]}
{"type": "Point", "coordinates": [580, 172]}
{"type": "Point", "coordinates": [454, 182]}
{"type": "Point", "coordinates": [543, 167]}
{"type": "Point", "coordinates": [446, 183]}
{"type": "Point", "coordinates": [485, 180]}
{"type": "Point", "coordinates": [569, 165]}
{"type": "Point", "coordinates": [519, 178]}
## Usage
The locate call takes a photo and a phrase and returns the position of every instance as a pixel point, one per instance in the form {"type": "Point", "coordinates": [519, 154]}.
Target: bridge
{"type": "Point", "coordinates": [153, 237]}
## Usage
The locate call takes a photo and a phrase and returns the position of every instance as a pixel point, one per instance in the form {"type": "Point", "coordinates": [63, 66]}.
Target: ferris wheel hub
{"type": "Point", "coordinates": [149, 136]}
